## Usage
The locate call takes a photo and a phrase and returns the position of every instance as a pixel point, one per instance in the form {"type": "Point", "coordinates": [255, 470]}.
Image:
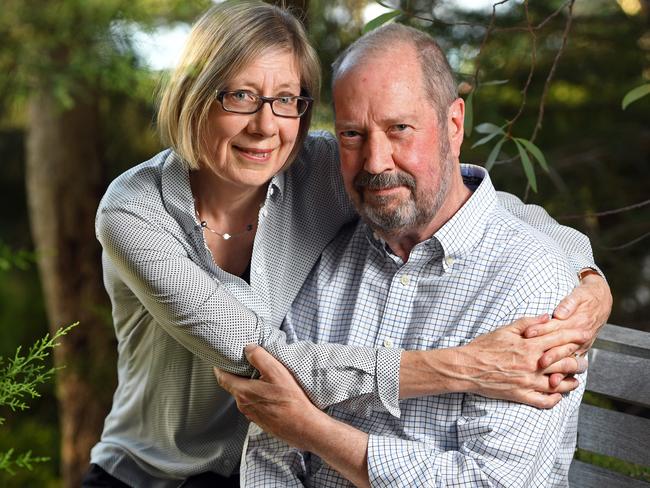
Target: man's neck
{"type": "Point", "coordinates": [404, 240]}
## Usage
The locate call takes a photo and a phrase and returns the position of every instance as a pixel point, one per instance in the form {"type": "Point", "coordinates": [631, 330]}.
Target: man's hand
{"type": "Point", "coordinates": [278, 405]}
{"type": "Point", "coordinates": [505, 365]}
{"type": "Point", "coordinates": [586, 310]}
{"type": "Point", "coordinates": [275, 401]}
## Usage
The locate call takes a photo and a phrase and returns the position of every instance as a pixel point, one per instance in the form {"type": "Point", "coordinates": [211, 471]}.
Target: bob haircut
{"type": "Point", "coordinates": [223, 41]}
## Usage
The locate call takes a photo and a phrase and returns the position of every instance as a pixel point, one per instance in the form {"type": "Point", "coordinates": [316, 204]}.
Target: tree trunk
{"type": "Point", "coordinates": [64, 181]}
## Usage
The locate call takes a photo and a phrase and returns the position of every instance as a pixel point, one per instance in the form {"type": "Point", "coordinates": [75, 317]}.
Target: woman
{"type": "Point", "coordinates": [207, 244]}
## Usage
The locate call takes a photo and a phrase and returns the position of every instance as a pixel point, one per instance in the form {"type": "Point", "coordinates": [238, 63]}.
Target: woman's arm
{"type": "Point", "coordinates": [589, 305]}
{"type": "Point", "coordinates": [205, 317]}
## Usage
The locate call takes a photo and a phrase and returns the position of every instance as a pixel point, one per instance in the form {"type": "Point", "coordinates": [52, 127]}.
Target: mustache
{"type": "Point", "coordinates": [382, 181]}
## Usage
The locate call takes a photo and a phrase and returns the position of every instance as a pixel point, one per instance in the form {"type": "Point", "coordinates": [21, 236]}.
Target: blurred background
{"type": "Point", "coordinates": [78, 81]}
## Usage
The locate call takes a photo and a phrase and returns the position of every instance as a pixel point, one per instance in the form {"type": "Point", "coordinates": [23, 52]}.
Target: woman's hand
{"type": "Point", "coordinates": [586, 309]}
{"type": "Point", "coordinates": [503, 364]}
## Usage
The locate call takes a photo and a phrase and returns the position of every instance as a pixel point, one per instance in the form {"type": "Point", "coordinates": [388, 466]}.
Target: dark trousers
{"type": "Point", "coordinates": [96, 477]}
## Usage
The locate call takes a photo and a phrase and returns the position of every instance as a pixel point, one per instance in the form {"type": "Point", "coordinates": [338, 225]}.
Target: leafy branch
{"type": "Point", "coordinates": [20, 376]}
{"type": "Point", "coordinates": [525, 148]}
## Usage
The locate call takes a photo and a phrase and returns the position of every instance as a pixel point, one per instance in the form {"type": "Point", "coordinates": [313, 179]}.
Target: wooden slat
{"type": "Point", "coordinates": [619, 375]}
{"type": "Point", "coordinates": [583, 475]}
{"type": "Point", "coordinates": [615, 434]}
{"type": "Point", "coordinates": [622, 339]}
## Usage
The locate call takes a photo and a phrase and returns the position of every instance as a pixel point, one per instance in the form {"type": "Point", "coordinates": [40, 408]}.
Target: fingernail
{"type": "Point", "coordinates": [249, 349]}
{"type": "Point", "coordinates": [532, 333]}
{"type": "Point", "coordinates": [217, 373]}
{"type": "Point", "coordinates": [562, 309]}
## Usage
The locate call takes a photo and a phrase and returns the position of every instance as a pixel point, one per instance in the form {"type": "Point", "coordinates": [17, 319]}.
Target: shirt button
{"type": "Point", "coordinates": [449, 260]}
{"type": "Point", "coordinates": [264, 212]}
{"type": "Point", "coordinates": [271, 190]}
{"type": "Point", "coordinates": [388, 343]}
{"type": "Point", "coordinates": [258, 270]}
{"type": "Point", "coordinates": [404, 280]}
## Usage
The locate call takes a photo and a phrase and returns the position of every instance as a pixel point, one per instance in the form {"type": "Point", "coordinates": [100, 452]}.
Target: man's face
{"type": "Point", "coordinates": [395, 155]}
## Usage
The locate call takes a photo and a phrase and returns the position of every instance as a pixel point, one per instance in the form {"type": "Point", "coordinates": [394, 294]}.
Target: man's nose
{"type": "Point", "coordinates": [378, 155]}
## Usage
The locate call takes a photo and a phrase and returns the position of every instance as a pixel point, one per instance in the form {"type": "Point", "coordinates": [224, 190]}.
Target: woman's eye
{"type": "Point", "coordinates": [286, 100]}
{"type": "Point", "coordinates": [240, 96]}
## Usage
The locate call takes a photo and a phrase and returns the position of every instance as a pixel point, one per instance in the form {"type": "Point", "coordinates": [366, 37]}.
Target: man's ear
{"type": "Point", "coordinates": [456, 125]}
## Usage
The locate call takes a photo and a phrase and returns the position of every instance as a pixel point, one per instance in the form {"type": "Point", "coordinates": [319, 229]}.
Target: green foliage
{"type": "Point", "coordinates": [380, 20]}
{"type": "Point", "coordinates": [635, 94]}
{"type": "Point", "coordinates": [20, 377]}
{"type": "Point", "coordinates": [23, 433]}
{"type": "Point", "coordinates": [524, 147]}
{"type": "Point", "coordinates": [24, 460]}
{"type": "Point", "coordinates": [74, 47]}
{"type": "Point", "coordinates": [9, 258]}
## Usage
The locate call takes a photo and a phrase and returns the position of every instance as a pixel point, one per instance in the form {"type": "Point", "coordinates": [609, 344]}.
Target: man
{"type": "Point", "coordinates": [435, 263]}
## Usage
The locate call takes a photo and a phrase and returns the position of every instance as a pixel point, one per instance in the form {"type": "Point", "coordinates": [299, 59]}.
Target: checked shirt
{"type": "Point", "coordinates": [482, 270]}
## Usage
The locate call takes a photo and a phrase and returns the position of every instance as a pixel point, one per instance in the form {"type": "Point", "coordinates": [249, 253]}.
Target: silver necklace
{"type": "Point", "coordinates": [225, 236]}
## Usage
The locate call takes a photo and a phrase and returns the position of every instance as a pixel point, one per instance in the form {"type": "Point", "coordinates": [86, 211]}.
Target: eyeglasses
{"type": "Point", "coordinates": [245, 102]}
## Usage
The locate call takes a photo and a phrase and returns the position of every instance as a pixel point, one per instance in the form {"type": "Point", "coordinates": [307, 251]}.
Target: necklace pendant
{"type": "Point", "coordinates": [226, 236]}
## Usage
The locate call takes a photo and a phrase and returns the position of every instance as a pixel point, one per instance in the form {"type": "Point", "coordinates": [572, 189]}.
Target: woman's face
{"type": "Point", "coordinates": [248, 150]}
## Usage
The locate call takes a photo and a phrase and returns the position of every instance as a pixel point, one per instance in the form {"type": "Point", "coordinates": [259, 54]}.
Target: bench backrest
{"type": "Point", "coordinates": [619, 367]}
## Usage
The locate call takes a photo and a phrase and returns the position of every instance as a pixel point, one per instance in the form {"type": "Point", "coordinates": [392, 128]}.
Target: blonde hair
{"type": "Point", "coordinates": [223, 41]}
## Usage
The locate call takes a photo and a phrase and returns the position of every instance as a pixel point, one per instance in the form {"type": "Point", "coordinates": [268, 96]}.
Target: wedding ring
{"type": "Point", "coordinates": [581, 362]}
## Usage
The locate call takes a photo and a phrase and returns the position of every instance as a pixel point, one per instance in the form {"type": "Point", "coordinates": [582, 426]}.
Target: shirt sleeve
{"type": "Point", "coordinates": [268, 461]}
{"type": "Point", "coordinates": [204, 316]}
{"type": "Point", "coordinates": [499, 443]}
{"type": "Point", "coordinates": [575, 244]}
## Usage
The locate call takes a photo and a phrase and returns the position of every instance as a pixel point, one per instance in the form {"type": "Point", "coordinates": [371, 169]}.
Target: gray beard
{"type": "Point", "coordinates": [417, 211]}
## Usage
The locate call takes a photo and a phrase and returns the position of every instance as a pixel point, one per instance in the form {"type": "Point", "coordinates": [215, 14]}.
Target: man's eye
{"type": "Point", "coordinates": [349, 133]}
{"type": "Point", "coordinates": [400, 127]}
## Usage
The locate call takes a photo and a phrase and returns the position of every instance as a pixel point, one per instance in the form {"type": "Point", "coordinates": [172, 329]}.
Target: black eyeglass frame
{"type": "Point", "coordinates": [270, 100]}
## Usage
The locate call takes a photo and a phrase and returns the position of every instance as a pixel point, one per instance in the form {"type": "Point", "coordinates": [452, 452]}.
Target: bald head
{"type": "Point", "coordinates": [437, 77]}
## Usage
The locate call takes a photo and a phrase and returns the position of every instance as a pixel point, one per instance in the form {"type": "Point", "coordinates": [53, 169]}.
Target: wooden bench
{"type": "Point", "coordinates": [619, 368]}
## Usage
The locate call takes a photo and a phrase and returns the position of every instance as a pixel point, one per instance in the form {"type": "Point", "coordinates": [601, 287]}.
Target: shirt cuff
{"type": "Point", "coordinates": [579, 262]}
{"type": "Point", "coordinates": [395, 462]}
{"type": "Point", "coordinates": [387, 378]}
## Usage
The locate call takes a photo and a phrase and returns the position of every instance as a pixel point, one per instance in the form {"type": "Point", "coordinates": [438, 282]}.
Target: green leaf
{"type": "Point", "coordinates": [494, 82]}
{"type": "Point", "coordinates": [528, 166]}
{"type": "Point", "coordinates": [535, 151]}
{"type": "Point", "coordinates": [62, 96]}
{"type": "Point", "coordinates": [634, 94]}
{"type": "Point", "coordinates": [494, 153]}
{"type": "Point", "coordinates": [469, 114]}
{"type": "Point", "coordinates": [488, 128]}
{"type": "Point", "coordinates": [382, 19]}
{"type": "Point", "coordinates": [485, 139]}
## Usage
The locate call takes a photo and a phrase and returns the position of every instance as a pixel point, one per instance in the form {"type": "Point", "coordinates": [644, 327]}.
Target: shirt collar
{"type": "Point", "coordinates": [463, 232]}
{"type": "Point", "coordinates": [177, 193]}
